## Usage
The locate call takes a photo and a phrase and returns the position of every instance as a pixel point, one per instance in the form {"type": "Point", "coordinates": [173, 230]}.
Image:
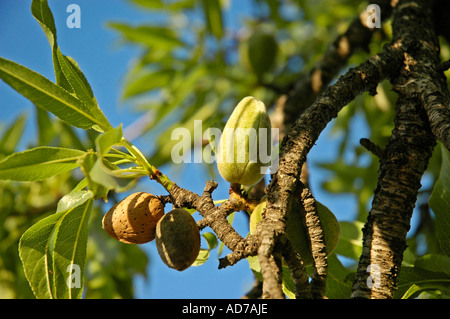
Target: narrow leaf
{"type": "Point", "coordinates": [213, 15]}
{"type": "Point", "coordinates": [76, 79]}
{"type": "Point", "coordinates": [148, 35]}
{"type": "Point", "coordinates": [86, 164]}
{"type": "Point", "coordinates": [53, 251]}
{"type": "Point", "coordinates": [12, 135]}
{"type": "Point", "coordinates": [70, 250]}
{"type": "Point", "coordinates": [422, 278]}
{"type": "Point", "coordinates": [33, 251]}
{"type": "Point", "coordinates": [434, 262]}
{"type": "Point", "coordinates": [145, 81]}
{"type": "Point", "coordinates": [350, 240]}
{"type": "Point", "coordinates": [103, 173]}
{"type": "Point", "coordinates": [49, 96]}
{"type": "Point", "coordinates": [46, 130]}
{"type": "Point", "coordinates": [39, 163]}
{"type": "Point", "coordinates": [68, 74]}
{"type": "Point", "coordinates": [211, 240]}
{"type": "Point", "coordinates": [202, 257]}
{"type": "Point", "coordinates": [105, 141]}
{"type": "Point", "coordinates": [42, 13]}
{"type": "Point", "coordinates": [81, 88]}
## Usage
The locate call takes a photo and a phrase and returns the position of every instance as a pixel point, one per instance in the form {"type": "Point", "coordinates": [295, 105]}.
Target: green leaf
{"type": "Point", "coordinates": [81, 87]}
{"type": "Point", "coordinates": [145, 81]}
{"type": "Point", "coordinates": [167, 142]}
{"type": "Point", "coordinates": [67, 72]}
{"type": "Point", "coordinates": [339, 279]}
{"type": "Point", "coordinates": [46, 129]}
{"type": "Point", "coordinates": [350, 240]}
{"type": "Point", "coordinates": [211, 239]}
{"type": "Point", "coordinates": [153, 4]}
{"type": "Point", "coordinates": [104, 142]}
{"type": "Point", "coordinates": [440, 203]}
{"type": "Point", "coordinates": [42, 13]}
{"type": "Point", "coordinates": [423, 280]}
{"type": "Point", "coordinates": [434, 262]}
{"type": "Point", "coordinates": [12, 135]}
{"type": "Point", "coordinates": [86, 164]}
{"type": "Point", "coordinates": [287, 283]}
{"type": "Point", "coordinates": [204, 254]}
{"type": "Point", "coordinates": [411, 291]}
{"type": "Point", "coordinates": [72, 200]}
{"type": "Point", "coordinates": [39, 163]}
{"type": "Point", "coordinates": [49, 96]}
{"type": "Point", "coordinates": [148, 35]}
{"type": "Point", "coordinates": [53, 251]}
{"type": "Point", "coordinates": [76, 79]}
{"type": "Point", "coordinates": [106, 174]}
{"type": "Point", "coordinates": [102, 175]}
{"type": "Point", "coordinates": [213, 15]}
{"type": "Point", "coordinates": [169, 6]}
{"type": "Point", "coordinates": [202, 257]}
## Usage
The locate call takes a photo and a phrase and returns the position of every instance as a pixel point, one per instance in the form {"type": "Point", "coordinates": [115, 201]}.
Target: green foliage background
{"type": "Point", "coordinates": [189, 69]}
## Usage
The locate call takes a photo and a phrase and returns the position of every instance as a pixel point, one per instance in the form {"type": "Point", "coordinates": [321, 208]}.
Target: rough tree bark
{"type": "Point", "coordinates": [422, 90]}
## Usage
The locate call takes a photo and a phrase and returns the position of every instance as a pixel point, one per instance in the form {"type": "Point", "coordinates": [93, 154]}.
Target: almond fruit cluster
{"type": "Point", "coordinates": [139, 218]}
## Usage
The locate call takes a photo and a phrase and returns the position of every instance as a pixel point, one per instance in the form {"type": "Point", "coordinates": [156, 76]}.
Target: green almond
{"type": "Point", "coordinates": [244, 149]}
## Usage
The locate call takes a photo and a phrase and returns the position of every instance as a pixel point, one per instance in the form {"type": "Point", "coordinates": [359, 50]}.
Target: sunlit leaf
{"type": "Point", "coordinates": [53, 251]}
{"type": "Point", "coordinates": [148, 35]}
{"type": "Point", "coordinates": [42, 13]}
{"type": "Point", "coordinates": [39, 163]}
{"type": "Point", "coordinates": [50, 96]}
{"type": "Point", "coordinates": [213, 15]}
{"type": "Point", "coordinates": [146, 81]}
{"type": "Point", "coordinates": [12, 135]}
{"type": "Point", "coordinates": [350, 240]}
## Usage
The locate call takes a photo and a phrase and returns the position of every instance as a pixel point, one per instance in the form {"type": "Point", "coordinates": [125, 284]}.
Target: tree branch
{"type": "Point", "coordinates": [215, 217]}
{"type": "Point", "coordinates": [296, 269]}
{"type": "Point", "coordinates": [305, 132]}
{"type": "Point", "coordinates": [317, 242]}
{"type": "Point", "coordinates": [406, 155]}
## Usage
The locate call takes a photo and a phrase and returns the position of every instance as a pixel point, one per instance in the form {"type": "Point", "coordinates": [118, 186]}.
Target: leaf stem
{"type": "Point", "coordinates": [152, 171]}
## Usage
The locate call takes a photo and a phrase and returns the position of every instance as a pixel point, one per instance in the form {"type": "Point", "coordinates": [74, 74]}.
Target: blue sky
{"type": "Point", "coordinates": [104, 63]}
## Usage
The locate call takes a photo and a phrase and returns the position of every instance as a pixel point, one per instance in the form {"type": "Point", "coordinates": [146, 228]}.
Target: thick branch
{"type": "Point", "coordinates": [406, 156]}
{"type": "Point", "coordinates": [306, 130]}
{"type": "Point", "coordinates": [317, 241]}
{"type": "Point", "coordinates": [271, 271]}
{"type": "Point", "coordinates": [296, 269]}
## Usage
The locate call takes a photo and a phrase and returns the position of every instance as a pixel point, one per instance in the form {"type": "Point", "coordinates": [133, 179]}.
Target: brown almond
{"type": "Point", "coordinates": [133, 220]}
{"type": "Point", "coordinates": [178, 239]}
